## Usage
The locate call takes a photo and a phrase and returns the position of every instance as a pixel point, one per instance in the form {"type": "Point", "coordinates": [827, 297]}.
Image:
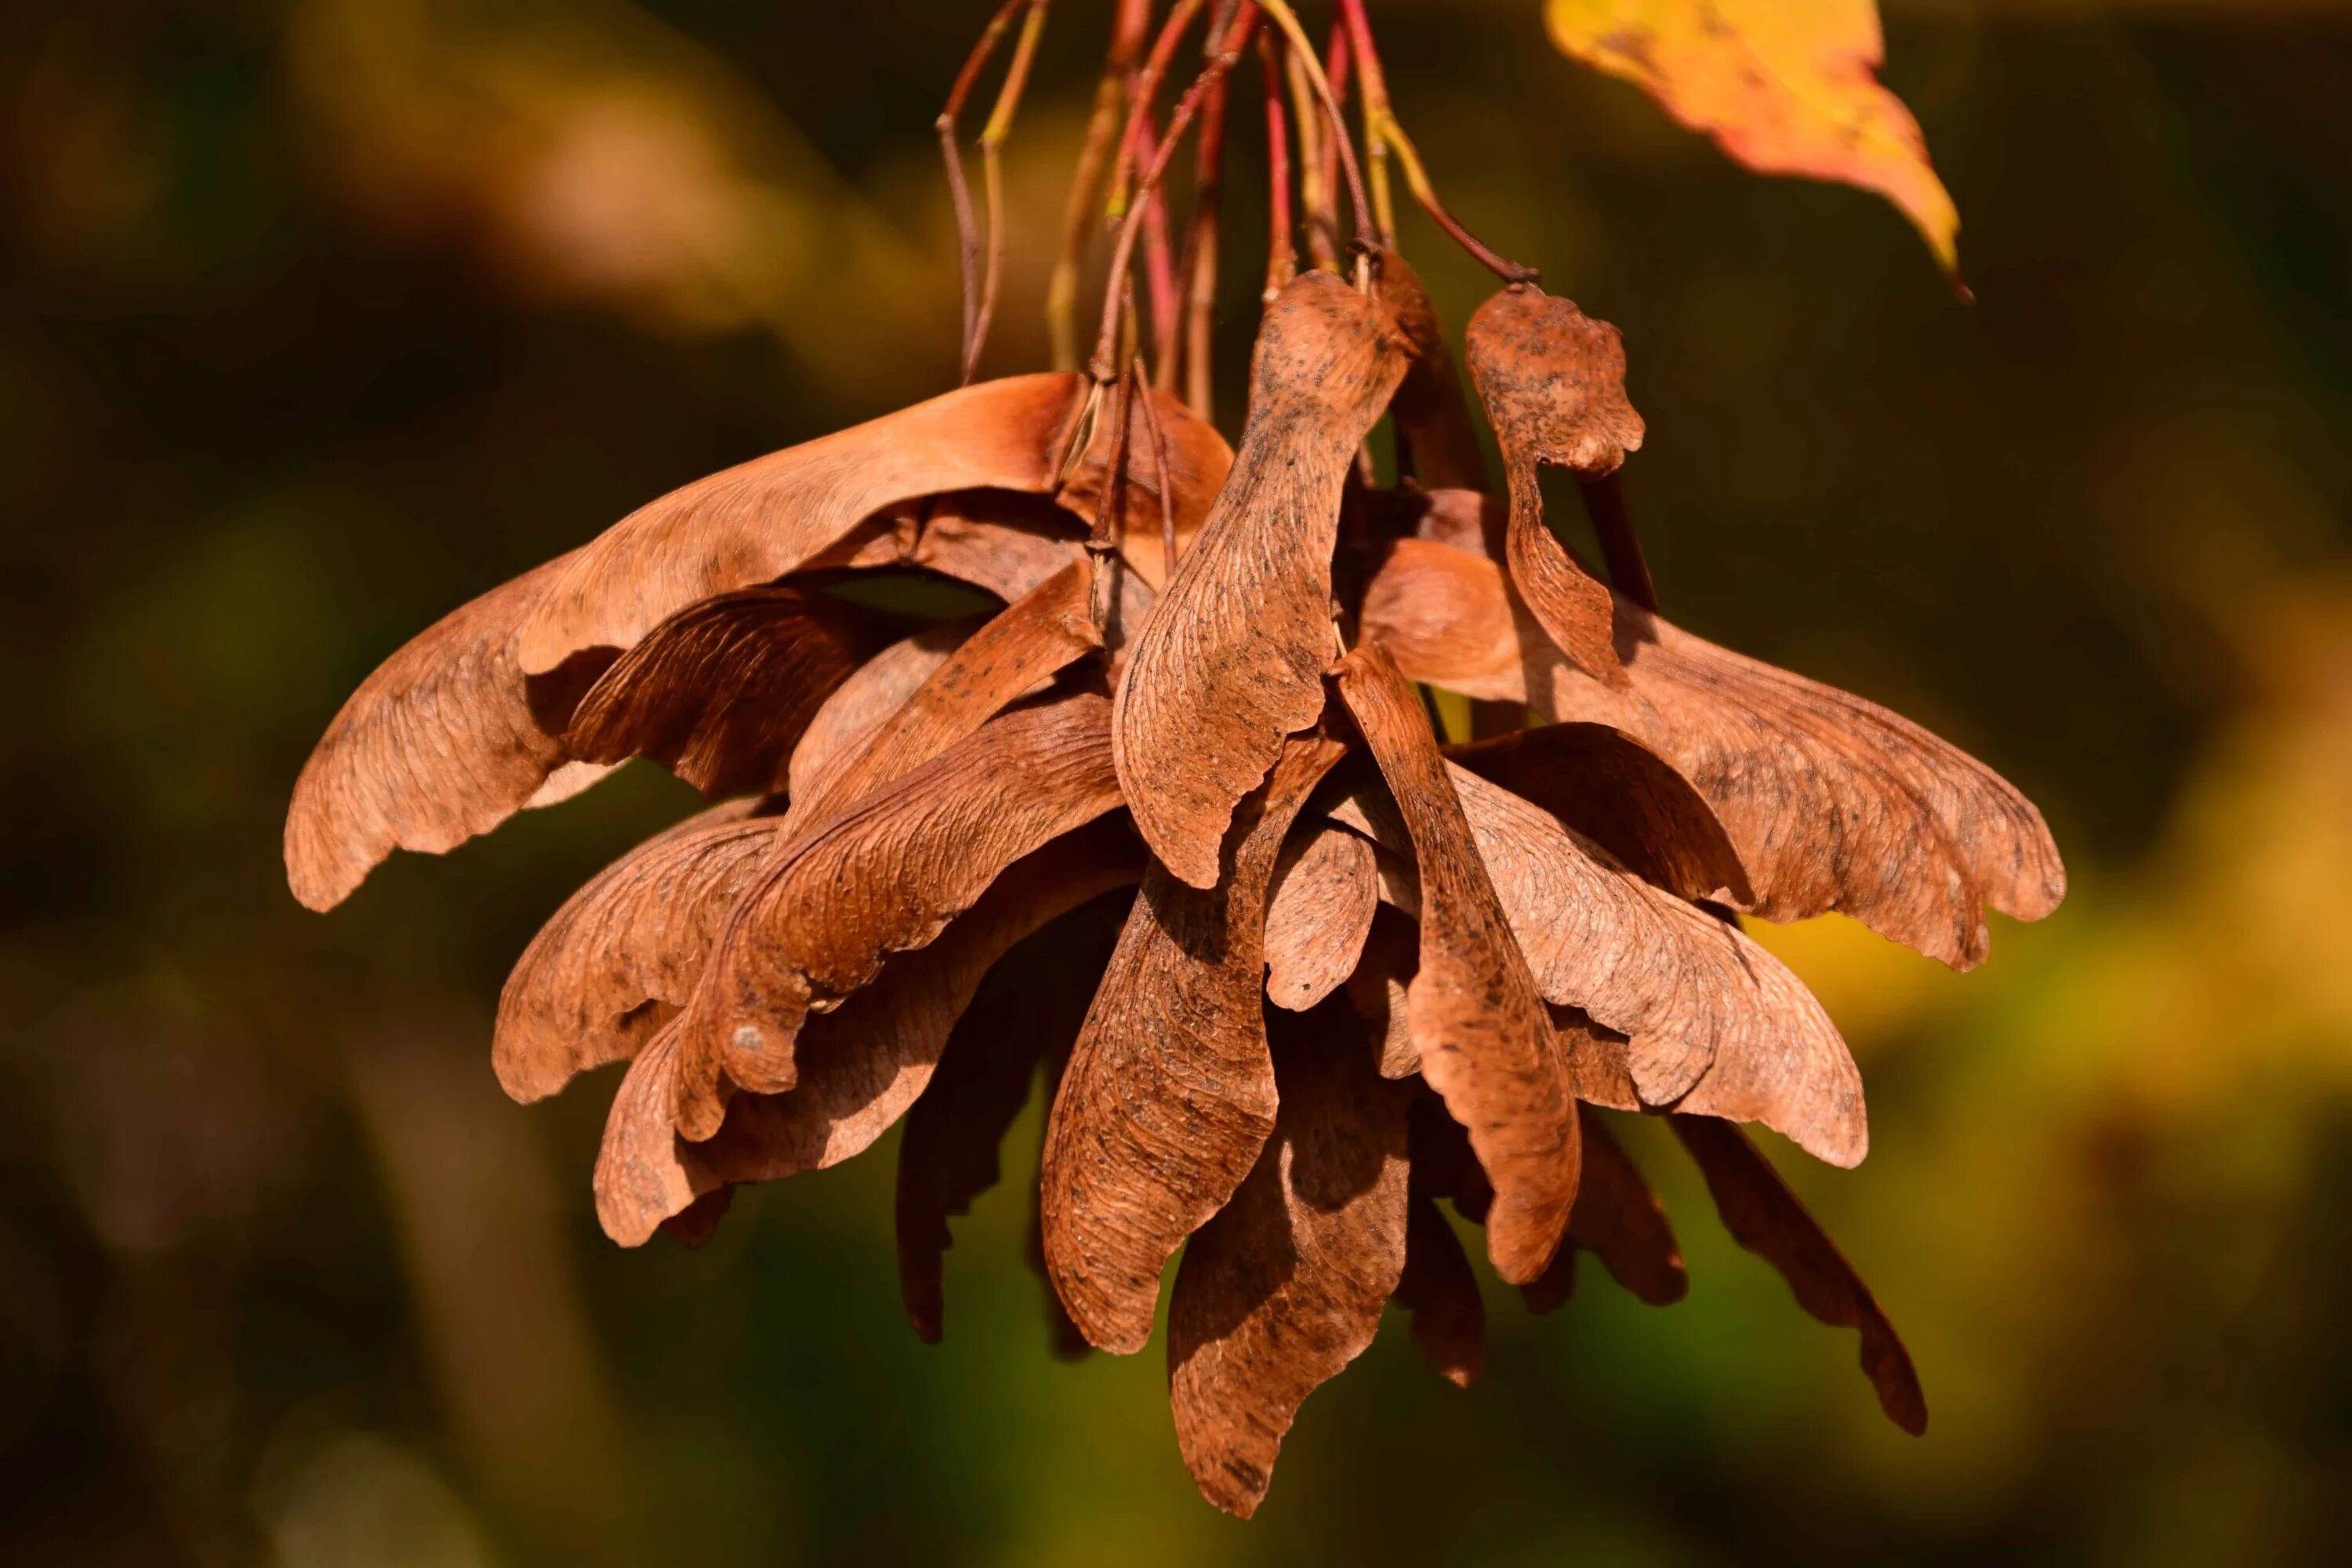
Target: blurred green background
{"type": "Point", "coordinates": [324, 315]}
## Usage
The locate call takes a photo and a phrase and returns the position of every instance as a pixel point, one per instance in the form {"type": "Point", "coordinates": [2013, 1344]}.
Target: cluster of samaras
{"type": "Point", "coordinates": [1177, 836]}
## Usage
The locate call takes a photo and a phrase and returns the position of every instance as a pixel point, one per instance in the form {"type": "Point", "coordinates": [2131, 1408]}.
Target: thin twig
{"type": "Point", "coordinates": [977, 61]}
{"type": "Point", "coordinates": [967, 237]}
{"type": "Point", "coordinates": [1159, 263]}
{"type": "Point", "coordinates": [1141, 94]}
{"type": "Point", "coordinates": [1304, 52]}
{"type": "Point", "coordinates": [1128, 33]}
{"type": "Point", "coordinates": [1106, 360]}
{"type": "Point", "coordinates": [1384, 134]}
{"type": "Point", "coordinates": [1281, 250]}
{"type": "Point", "coordinates": [958, 191]}
{"type": "Point", "coordinates": [1198, 270]}
{"type": "Point", "coordinates": [1319, 204]}
{"type": "Point", "coordinates": [1137, 147]}
{"type": "Point", "coordinates": [1016, 77]}
{"type": "Point", "coordinates": [992, 163]}
{"type": "Point", "coordinates": [1159, 439]}
{"type": "Point", "coordinates": [1337, 71]}
{"type": "Point", "coordinates": [1110, 516]}
{"type": "Point", "coordinates": [1376, 117]}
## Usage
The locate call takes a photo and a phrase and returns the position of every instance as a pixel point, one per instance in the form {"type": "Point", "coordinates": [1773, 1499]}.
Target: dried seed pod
{"type": "Point", "coordinates": [1830, 801]}
{"type": "Point", "coordinates": [625, 951]}
{"type": "Point", "coordinates": [961, 539]}
{"type": "Point", "coordinates": [1382, 977]}
{"type": "Point", "coordinates": [874, 691]}
{"type": "Point", "coordinates": [1553, 380]}
{"type": "Point", "coordinates": [1619, 1220]}
{"type": "Point", "coordinates": [883, 878]}
{"type": "Point", "coordinates": [1230, 659]}
{"type": "Point", "coordinates": [1012, 654]}
{"type": "Point", "coordinates": [1718, 1024]}
{"type": "Point", "coordinates": [644, 1172]}
{"type": "Point", "coordinates": [859, 1066]}
{"type": "Point", "coordinates": [1023, 1021]}
{"type": "Point", "coordinates": [1439, 1295]}
{"type": "Point", "coordinates": [1764, 1217]}
{"type": "Point", "coordinates": [1433, 606]}
{"type": "Point", "coordinates": [1002, 541]}
{"type": "Point", "coordinates": [1326, 889]}
{"type": "Point", "coordinates": [1475, 1015]}
{"type": "Point", "coordinates": [1445, 612]}
{"type": "Point", "coordinates": [721, 693]}
{"type": "Point", "coordinates": [760, 519]}
{"type": "Point", "coordinates": [448, 738]}
{"type": "Point", "coordinates": [1600, 1062]}
{"type": "Point", "coordinates": [1169, 1093]}
{"type": "Point", "coordinates": [1435, 442]}
{"type": "Point", "coordinates": [906, 916]}
{"type": "Point", "coordinates": [1833, 802]}
{"type": "Point", "coordinates": [438, 745]}
{"type": "Point", "coordinates": [1621, 796]}
{"type": "Point", "coordinates": [1283, 1286]}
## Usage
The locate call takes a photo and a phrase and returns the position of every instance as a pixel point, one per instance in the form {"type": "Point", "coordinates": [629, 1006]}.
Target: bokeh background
{"type": "Point", "coordinates": [323, 315]}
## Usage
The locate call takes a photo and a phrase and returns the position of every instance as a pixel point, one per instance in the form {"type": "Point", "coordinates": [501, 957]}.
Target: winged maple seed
{"type": "Point", "coordinates": [1171, 833]}
{"type": "Point", "coordinates": [468, 724]}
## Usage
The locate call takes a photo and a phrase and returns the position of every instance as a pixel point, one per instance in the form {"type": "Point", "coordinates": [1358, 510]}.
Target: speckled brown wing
{"type": "Point", "coordinates": [1012, 653]}
{"type": "Point", "coordinates": [721, 693]}
{"type": "Point", "coordinates": [1764, 1217]}
{"type": "Point", "coordinates": [1283, 1287]}
{"type": "Point", "coordinates": [1230, 659]}
{"type": "Point", "coordinates": [755, 522]}
{"type": "Point", "coordinates": [625, 951]}
{"type": "Point", "coordinates": [1170, 1094]}
{"type": "Point", "coordinates": [1475, 1015]}
{"type": "Point", "coordinates": [874, 691]}
{"type": "Point", "coordinates": [1022, 1024]}
{"type": "Point", "coordinates": [883, 878]}
{"type": "Point", "coordinates": [1553, 383]}
{"type": "Point", "coordinates": [1440, 1296]}
{"type": "Point", "coordinates": [1833, 801]}
{"type": "Point", "coordinates": [859, 1067]}
{"type": "Point", "coordinates": [1326, 889]}
{"type": "Point", "coordinates": [1437, 443]}
{"type": "Point", "coordinates": [1830, 802]}
{"type": "Point", "coordinates": [1717, 1023]}
{"type": "Point", "coordinates": [1619, 1220]}
{"type": "Point", "coordinates": [436, 746]}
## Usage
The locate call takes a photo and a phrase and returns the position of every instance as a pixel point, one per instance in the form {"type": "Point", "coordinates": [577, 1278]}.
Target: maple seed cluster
{"type": "Point", "coordinates": [1172, 830]}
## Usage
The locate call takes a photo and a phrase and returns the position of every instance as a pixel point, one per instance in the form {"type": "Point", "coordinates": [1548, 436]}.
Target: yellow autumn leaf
{"type": "Point", "coordinates": [1784, 86]}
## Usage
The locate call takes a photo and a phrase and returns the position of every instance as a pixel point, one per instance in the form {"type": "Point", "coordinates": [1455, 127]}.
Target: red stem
{"type": "Point", "coordinates": [1129, 30]}
{"type": "Point", "coordinates": [1141, 94]}
{"type": "Point", "coordinates": [1159, 439]}
{"type": "Point", "coordinates": [1188, 347]}
{"type": "Point", "coordinates": [1336, 146]}
{"type": "Point", "coordinates": [977, 61]}
{"type": "Point", "coordinates": [1104, 366]}
{"type": "Point", "coordinates": [1376, 109]}
{"type": "Point", "coordinates": [1281, 250]}
{"type": "Point", "coordinates": [1159, 270]}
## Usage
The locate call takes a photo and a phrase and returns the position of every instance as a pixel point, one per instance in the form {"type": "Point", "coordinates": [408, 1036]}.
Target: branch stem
{"type": "Point", "coordinates": [1281, 249]}
{"type": "Point", "coordinates": [1158, 436]}
{"type": "Point", "coordinates": [1105, 365]}
{"type": "Point", "coordinates": [980, 279]}
{"type": "Point", "coordinates": [1384, 134]}
{"type": "Point", "coordinates": [1191, 351]}
{"type": "Point", "coordinates": [1132, 25]}
{"type": "Point", "coordinates": [1303, 51]}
